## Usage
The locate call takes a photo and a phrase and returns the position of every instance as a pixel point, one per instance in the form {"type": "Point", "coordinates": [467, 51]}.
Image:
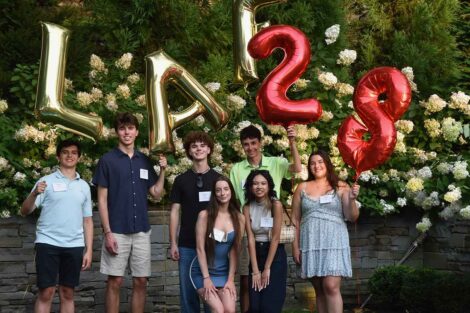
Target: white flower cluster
{"type": "Point", "coordinates": [424, 225]}
{"type": "Point", "coordinates": [433, 105]}
{"type": "Point", "coordinates": [124, 91]}
{"type": "Point", "coordinates": [415, 184]}
{"type": "Point", "coordinates": [332, 34]}
{"type": "Point", "coordinates": [19, 177]}
{"type": "Point", "coordinates": [424, 173]}
{"type": "Point", "coordinates": [96, 94]}
{"type": "Point", "coordinates": [344, 89]}
{"type": "Point", "coordinates": [386, 207]}
{"type": "Point", "coordinates": [124, 62]}
{"type": "Point", "coordinates": [108, 133]}
{"type": "Point", "coordinates": [451, 129]}
{"type": "Point", "coordinates": [29, 132]}
{"type": "Point", "coordinates": [212, 86]}
{"type": "Point", "coordinates": [3, 106]}
{"type": "Point", "coordinates": [133, 78]}
{"type": "Point", "coordinates": [449, 211]}
{"type": "Point", "coordinates": [400, 145]}
{"type": "Point", "coordinates": [444, 168]}
{"type": "Point", "coordinates": [111, 103]}
{"type": "Point", "coordinates": [300, 84]}
{"type": "Point", "coordinates": [459, 101]}
{"type": "Point", "coordinates": [140, 100]}
{"type": "Point", "coordinates": [68, 84]}
{"type": "Point", "coordinates": [237, 129]}
{"type": "Point", "coordinates": [84, 99]}
{"type": "Point", "coordinates": [428, 202]}
{"type": "Point", "coordinates": [235, 103]}
{"type": "Point", "coordinates": [326, 116]}
{"type": "Point", "coordinates": [454, 194]}
{"type": "Point", "coordinates": [404, 126]}
{"type": "Point", "coordinates": [433, 127]}
{"type": "Point", "coordinates": [139, 117]}
{"type": "Point", "coordinates": [408, 71]}
{"type": "Point", "coordinates": [401, 202]}
{"type": "Point", "coordinates": [465, 212]}
{"type": "Point", "coordinates": [277, 130]}
{"type": "Point", "coordinates": [459, 170]}
{"type": "Point", "coordinates": [199, 121]}
{"type": "Point", "coordinates": [97, 66]}
{"type": "Point", "coordinates": [327, 79]}
{"type": "Point", "coordinates": [367, 176]}
{"type": "Point", "coordinates": [4, 164]}
{"type": "Point", "coordinates": [346, 57]}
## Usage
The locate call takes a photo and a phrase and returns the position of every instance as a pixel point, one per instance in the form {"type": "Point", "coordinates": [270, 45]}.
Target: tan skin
{"type": "Point", "coordinates": [327, 289]}
{"type": "Point", "coordinates": [252, 148]}
{"type": "Point", "coordinates": [126, 134]}
{"type": "Point", "coordinates": [68, 159]}
{"type": "Point", "coordinates": [219, 300]}
{"type": "Point", "coordinates": [261, 189]}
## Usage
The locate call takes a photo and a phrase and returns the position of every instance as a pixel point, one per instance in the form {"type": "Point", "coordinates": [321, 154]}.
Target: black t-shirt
{"type": "Point", "coordinates": [187, 194]}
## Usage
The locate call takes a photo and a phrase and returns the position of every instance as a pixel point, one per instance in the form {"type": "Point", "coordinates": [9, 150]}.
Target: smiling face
{"type": "Point", "coordinates": [317, 166]}
{"type": "Point", "coordinates": [223, 194]}
{"type": "Point", "coordinates": [68, 157]}
{"type": "Point", "coordinates": [127, 133]}
{"type": "Point", "coordinates": [199, 151]}
{"type": "Point", "coordinates": [252, 147]}
{"type": "Point", "coordinates": [260, 187]}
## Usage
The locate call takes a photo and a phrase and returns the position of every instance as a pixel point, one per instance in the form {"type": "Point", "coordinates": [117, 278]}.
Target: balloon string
{"type": "Point", "coordinates": [358, 281]}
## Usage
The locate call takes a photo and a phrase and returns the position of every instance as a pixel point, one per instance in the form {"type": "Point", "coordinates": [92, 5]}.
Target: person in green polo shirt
{"type": "Point", "coordinates": [278, 167]}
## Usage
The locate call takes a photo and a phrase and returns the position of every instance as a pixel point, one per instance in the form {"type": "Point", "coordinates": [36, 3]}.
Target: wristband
{"type": "Point", "coordinates": [206, 277]}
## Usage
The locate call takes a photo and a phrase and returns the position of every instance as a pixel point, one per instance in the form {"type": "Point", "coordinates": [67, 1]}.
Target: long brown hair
{"type": "Point", "coordinates": [213, 211]}
{"type": "Point", "coordinates": [330, 171]}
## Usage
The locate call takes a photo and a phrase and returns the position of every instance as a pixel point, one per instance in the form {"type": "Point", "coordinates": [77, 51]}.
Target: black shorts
{"type": "Point", "coordinates": [52, 260]}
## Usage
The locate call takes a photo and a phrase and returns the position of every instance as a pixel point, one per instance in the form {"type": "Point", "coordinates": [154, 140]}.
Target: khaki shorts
{"type": "Point", "coordinates": [244, 258]}
{"type": "Point", "coordinates": [132, 248]}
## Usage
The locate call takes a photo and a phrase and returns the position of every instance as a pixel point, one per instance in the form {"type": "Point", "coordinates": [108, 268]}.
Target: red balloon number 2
{"type": "Point", "coordinates": [273, 105]}
{"type": "Point", "coordinates": [378, 119]}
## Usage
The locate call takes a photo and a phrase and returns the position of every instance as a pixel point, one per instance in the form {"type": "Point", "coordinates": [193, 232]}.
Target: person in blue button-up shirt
{"type": "Point", "coordinates": [124, 177]}
{"type": "Point", "coordinates": [64, 229]}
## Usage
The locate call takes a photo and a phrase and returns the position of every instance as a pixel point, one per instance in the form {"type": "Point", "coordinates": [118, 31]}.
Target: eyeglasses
{"type": "Point", "coordinates": [199, 182]}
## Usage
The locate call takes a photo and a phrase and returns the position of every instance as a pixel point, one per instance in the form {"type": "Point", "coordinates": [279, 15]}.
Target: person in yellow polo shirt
{"type": "Point", "coordinates": [278, 167]}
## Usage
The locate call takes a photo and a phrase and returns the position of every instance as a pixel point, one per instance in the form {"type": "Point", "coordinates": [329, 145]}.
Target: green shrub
{"type": "Point", "coordinates": [386, 284]}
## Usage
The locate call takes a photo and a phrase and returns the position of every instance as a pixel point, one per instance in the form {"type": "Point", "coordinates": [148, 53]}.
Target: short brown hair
{"type": "Point", "coordinates": [197, 136]}
{"type": "Point", "coordinates": [125, 118]}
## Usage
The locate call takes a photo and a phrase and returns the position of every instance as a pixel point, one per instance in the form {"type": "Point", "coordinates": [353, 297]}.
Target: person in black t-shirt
{"type": "Point", "coordinates": [190, 194]}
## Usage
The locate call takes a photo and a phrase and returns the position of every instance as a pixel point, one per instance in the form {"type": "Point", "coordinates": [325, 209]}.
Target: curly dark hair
{"type": "Point", "coordinates": [197, 136]}
{"type": "Point", "coordinates": [249, 195]}
{"type": "Point", "coordinates": [125, 118]}
{"type": "Point", "coordinates": [213, 210]}
{"type": "Point", "coordinates": [330, 170]}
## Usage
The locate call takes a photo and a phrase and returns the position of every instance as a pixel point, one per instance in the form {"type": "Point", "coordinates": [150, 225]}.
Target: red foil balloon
{"type": "Point", "coordinates": [273, 105]}
{"type": "Point", "coordinates": [378, 119]}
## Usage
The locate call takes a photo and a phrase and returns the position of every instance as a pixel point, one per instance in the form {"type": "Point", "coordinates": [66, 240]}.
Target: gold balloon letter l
{"type": "Point", "coordinates": [49, 98]}
{"type": "Point", "coordinates": [162, 70]}
{"type": "Point", "coordinates": [244, 28]}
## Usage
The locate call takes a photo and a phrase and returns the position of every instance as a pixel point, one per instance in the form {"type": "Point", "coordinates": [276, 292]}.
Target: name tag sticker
{"type": "Point", "coordinates": [59, 187]}
{"type": "Point", "coordinates": [204, 196]}
{"type": "Point", "coordinates": [144, 174]}
{"type": "Point", "coordinates": [326, 199]}
{"type": "Point", "coordinates": [219, 235]}
{"type": "Point", "coordinates": [267, 222]}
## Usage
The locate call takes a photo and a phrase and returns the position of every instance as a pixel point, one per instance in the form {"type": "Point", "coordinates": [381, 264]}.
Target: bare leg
{"type": "Point", "coordinates": [213, 302]}
{"type": "Point", "coordinates": [66, 299]}
{"type": "Point", "coordinates": [44, 300]}
{"type": "Point", "coordinates": [112, 293]}
{"type": "Point", "coordinates": [244, 294]}
{"type": "Point", "coordinates": [139, 292]}
{"type": "Point", "coordinates": [319, 294]}
{"type": "Point", "coordinates": [331, 287]}
{"type": "Point", "coordinates": [228, 301]}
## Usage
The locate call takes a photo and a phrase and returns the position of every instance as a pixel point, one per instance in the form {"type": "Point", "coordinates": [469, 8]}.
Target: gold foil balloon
{"type": "Point", "coordinates": [244, 28]}
{"type": "Point", "coordinates": [161, 71]}
{"type": "Point", "coordinates": [49, 97]}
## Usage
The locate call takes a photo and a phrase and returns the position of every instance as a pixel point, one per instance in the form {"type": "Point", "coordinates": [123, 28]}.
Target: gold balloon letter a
{"type": "Point", "coordinates": [162, 70]}
{"type": "Point", "coordinates": [49, 98]}
{"type": "Point", "coordinates": [244, 28]}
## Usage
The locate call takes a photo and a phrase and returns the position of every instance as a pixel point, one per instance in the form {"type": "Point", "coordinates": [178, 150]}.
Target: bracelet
{"type": "Point", "coordinates": [206, 277]}
{"type": "Point", "coordinates": [254, 274]}
{"type": "Point", "coordinates": [106, 232]}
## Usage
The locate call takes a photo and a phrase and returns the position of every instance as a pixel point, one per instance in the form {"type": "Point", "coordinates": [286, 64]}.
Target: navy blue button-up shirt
{"type": "Point", "coordinates": [128, 181]}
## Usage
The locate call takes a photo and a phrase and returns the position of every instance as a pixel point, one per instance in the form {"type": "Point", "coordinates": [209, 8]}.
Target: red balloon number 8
{"type": "Point", "coordinates": [273, 105]}
{"type": "Point", "coordinates": [378, 119]}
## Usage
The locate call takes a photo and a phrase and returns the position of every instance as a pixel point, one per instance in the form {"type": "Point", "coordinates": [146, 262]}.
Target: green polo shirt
{"type": "Point", "coordinates": [278, 167]}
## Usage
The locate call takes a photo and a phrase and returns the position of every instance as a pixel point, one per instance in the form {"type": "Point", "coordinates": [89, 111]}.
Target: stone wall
{"type": "Point", "coordinates": [375, 241]}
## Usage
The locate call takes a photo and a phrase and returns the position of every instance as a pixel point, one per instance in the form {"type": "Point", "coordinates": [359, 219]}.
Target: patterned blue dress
{"type": "Point", "coordinates": [324, 239]}
{"type": "Point", "coordinates": [218, 272]}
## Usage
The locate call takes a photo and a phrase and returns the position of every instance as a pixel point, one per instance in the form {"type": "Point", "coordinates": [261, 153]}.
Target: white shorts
{"type": "Point", "coordinates": [132, 248]}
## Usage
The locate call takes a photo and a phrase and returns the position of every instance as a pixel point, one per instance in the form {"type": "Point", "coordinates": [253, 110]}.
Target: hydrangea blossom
{"type": "Point", "coordinates": [212, 86]}
{"type": "Point", "coordinates": [408, 71]}
{"type": "Point", "coordinates": [3, 106]}
{"type": "Point", "coordinates": [235, 102]}
{"type": "Point", "coordinates": [433, 127]}
{"type": "Point", "coordinates": [424, 225]}
{"type": "Point", "coordinates": [19, 177]}
{"type": "Point", "coordinates": [451, 129]}
{"type": "Point", "coordinates": [301, 84]}
{"type": "Point", "coordinates": [327, 79]}
{"type": "Point", "coordinates": [97, 64]}
{"type": "Point", "coordinates": [123, 91]}
{"type": "Point", "coordinates": [332, 34]}
{"type": "Point", "coordinates": [453, 195]}
{"type": "Point", "coordinates": [405, 126]}
{"type": "Point", "coordinates": [459, 100]}
{"type": "Point", "coordinates": [465, 212]}
{"type": "Point", "coordinates": [344, 89]}
{"type": "Point", "coordinates": [84, 99]}
{"type": "Point", "coordinates": [124, 62]}
{"type": "Point", "coordinates": [346, 57]}
{"type": "Point", "coordinates": [414, 184]}
{"type": "Point", "coordinates": [425, 172]}
{"type": "Point", "coordinates": [401, 202]}
{"type": "Point", "coordinates": [433, 105]}
{"type": "Point", "coordinates": [460, 170]}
